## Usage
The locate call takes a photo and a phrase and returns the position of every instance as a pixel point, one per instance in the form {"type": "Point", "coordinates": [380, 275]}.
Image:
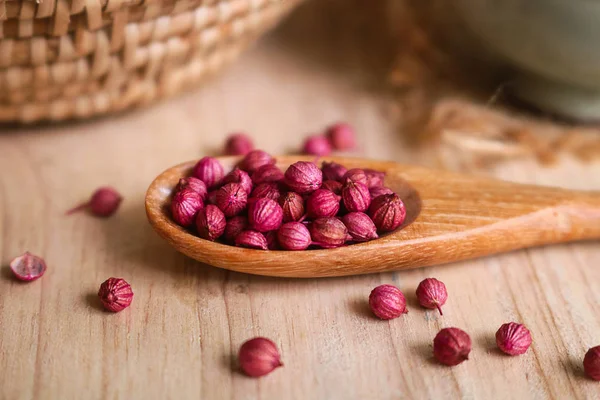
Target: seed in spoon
{"type": "Point", "coordinates": [210, 171]}
{"type": "Point", "coordinates": [186, 204]}
{"type": "Point", "coordinates": [333, 213]}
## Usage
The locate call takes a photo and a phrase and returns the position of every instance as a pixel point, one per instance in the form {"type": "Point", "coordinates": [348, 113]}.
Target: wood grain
{"type": "Point", "coordinates": [450, 217]}
{"type": "Point", "coordinates": [187, 320]}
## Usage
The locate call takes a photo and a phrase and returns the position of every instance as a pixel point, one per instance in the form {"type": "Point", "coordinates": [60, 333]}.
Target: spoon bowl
{"type": "Point", "coordinates": [450, 217]}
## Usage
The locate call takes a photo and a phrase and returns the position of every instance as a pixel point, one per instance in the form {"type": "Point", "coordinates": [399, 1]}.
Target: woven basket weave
{"type": "Point", "coordinates": [62, 59]}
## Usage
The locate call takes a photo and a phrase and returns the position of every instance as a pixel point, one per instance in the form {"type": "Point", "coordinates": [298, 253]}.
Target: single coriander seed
{"type": "Point", "coordinates": [211, 197]}
{"type": "Point", "coordinates": [254, 160]}
{"type": "Point", "coordinates": [265, 215]}
{"type": "Point", "coordinates": [272, 243]}
{"type": "Point", "coordinates": [356, 196]}
{"type": "Point", "coordinates": [234, 226]}
{"type": "Point", "coordinates": [356, 175]}
{"type": "Point", "coordinates": [238, 144]}
{"type": "Point", "coordinates": [432, 293]}
{"type": "Point", "coordinates": [328, 232]}
{"type": "Point", "coordinates": [211, 223]}
{"type": "Point", "coordinates": [115, 294]}
{"type": "Point", "coordinates": [251, 239]}
{"type": "Point", "coordinates": [267, 173]}
{"type": "Point", "coordinates": [513, 339]}
{"type": "Point", "coordinates": [294, 236]}
{"type": "Point", "coordinates": [387, 212]}
{"type": "Point", "coordinates": [451, 346]}
{"type": "Point", "coordinates": [185, 205]}
{"type": "Point", "coordinates": [241, 177]}
{"type": "Point", "coordinates": [322, 203]}
{"type": "Point", "coordinates": [194, 184]}
{"type": "Point", "coordinates": [231, 199]}
{"type": "Point", "coordinates": [28, 267]}
{"type": "Point", "coordinates": [360, 226]}
{"type": "Point", "coordinates": [293, 206]}
{"type": "Point", "coordinates": [269, 190]}
{"type": "Point", "coordinates": [334, 186]}
{"type": "Point", "coordinates": [104, 202]}
{"type": "Point", "coordinates": [378, 191]}
{"type": "Point", "coordinates": [341, 136]}
{"type": "Point", "coordinates": [210, 171]}
{"type": "Point", "coordinates": [591, 363]}
{"type": "Point", "coordinates": [333, 171]}
{"type": "Point", "coordinates": [259, 357]}
{"type": "Point", "coordinates": [317, 145]}
{"type": "Point", "coordinates": [303, 177]}
{"type": "Point", "coordinates": [374, 178]}
{"type": "Point", "coordinates": [387, 302]}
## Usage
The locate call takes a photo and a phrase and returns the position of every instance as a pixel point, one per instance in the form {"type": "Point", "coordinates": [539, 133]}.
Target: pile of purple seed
{"type": "Point", "coordinates": [259, 206]}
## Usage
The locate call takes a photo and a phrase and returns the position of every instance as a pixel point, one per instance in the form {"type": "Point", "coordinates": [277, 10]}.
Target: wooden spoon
{"type": "Point", "coordinates": [450, 217]}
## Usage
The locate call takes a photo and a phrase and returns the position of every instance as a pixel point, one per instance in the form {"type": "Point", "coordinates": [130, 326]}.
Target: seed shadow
{"type": "Point", "coordinates": [360, 307]}
{"type": "Point", "coordinates": [93, 302]}
{"type": "Point", "coordinates": [6, 273]}
{"type": "Point", "coordinates": [487, 341]}
{"type": "Point", "coordinates": [425, 352]}
{"type": "Point", "coordinates": [410, 197]}
{"type": "Point", "coordinates": [574, 366]}
{"type": "Point", "coordinates": [230, 362]}
{"type": "Point", "coordinates": [131, 239]}
{"type": "Point", "coordinates": [412, 200]}
{"type": "Point", "coordinates": [412, 302]}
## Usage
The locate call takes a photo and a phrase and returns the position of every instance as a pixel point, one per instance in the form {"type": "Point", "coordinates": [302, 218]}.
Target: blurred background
{"type": "Point", "coordinates": [416, 69]}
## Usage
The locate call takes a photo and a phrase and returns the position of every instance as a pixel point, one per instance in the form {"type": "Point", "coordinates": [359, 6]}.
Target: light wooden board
{"type": "Point", "coordinates": [179, 338]}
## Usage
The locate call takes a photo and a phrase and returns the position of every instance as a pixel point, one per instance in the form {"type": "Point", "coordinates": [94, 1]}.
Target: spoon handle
{"type": "Point", "coordinates": [568, 216]}
{"type": "Point", "coordinates": [579, 220]}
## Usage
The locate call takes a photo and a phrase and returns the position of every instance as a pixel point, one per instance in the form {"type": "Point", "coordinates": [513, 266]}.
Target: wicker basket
{"type": "Point", "coordinates": [63, 59]}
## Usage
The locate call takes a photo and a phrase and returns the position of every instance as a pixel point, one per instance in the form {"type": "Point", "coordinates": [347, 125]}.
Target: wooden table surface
{"type": "Point", "coordinates": [179, 338]}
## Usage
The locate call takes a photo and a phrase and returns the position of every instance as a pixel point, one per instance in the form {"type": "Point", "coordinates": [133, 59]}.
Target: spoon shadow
{"type": "Point", "coordinates": [130, 239]}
